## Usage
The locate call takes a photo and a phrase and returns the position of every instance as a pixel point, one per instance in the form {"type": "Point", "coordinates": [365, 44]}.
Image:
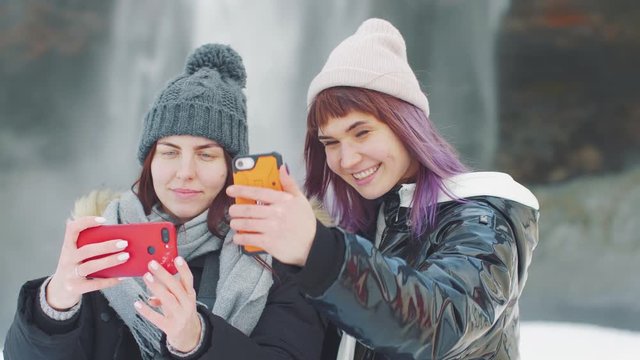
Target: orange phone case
{"type": "Point", "coordinates": [147, 241]}
{"type": "Point", "coordinates": [264, 173]}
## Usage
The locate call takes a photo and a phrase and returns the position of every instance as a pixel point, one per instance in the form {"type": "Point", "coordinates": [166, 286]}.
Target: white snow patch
{"type": "Point", "coordinates": [567, 341]}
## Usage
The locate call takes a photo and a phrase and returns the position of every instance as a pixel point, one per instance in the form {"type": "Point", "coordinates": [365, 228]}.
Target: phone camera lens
{"type": "Point", "coordinates": [165, 235]}
{"type": "Point", "coordinates": [151, 250]}
{"type": "Point", "coordinates": [244, 163]}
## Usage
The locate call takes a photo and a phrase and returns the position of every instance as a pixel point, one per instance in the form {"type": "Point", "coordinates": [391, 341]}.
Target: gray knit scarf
{"type": "Point", "coordinates": [242, 289]}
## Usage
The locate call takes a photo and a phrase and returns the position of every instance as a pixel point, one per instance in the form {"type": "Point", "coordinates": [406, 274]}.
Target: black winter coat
{"type": "Point", "coordinates": [289, 328]}
{"type": "Point", "coordinates": [452, 294]}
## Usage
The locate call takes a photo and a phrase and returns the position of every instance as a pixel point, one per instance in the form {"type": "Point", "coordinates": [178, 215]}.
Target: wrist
{"type": "Point", "coordinates": [190, 343]}
{"type": "Point", "coordinates": [58, 298]}
{"type": "Point", "coordinates": [324, 261]}
{"type": "Point", "coordinates": [52, 313]}
{"type": "Point", "coordinates": [306, 249]}
{"type": "Point", "coordinates": [302, 262]}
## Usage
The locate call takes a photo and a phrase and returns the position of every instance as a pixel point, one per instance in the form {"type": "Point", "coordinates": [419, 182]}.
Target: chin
{"type": "Point", "coordinates": [183, 215]}
{"type": "Point", "coordinates": [371, 191]}
{"type": "Point", "coordinates": [372, 194]}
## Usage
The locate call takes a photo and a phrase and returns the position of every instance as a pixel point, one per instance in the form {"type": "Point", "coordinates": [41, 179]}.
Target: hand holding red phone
{"type": "Point", "coordinates": [69, 281]}
{"type": "Point", "coordinates": [146, 241]}
{"type": "Point", "coordinates": [176, 298]}
{"type": "Point", "coordinates": [284, 225]}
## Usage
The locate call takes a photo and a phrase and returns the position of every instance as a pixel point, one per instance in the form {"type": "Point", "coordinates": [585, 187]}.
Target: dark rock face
{"type": "Point", "coordinates": [569, 89]}
{"type": "Point", "coordinates": [50, 55]}
{"type": "Point", "coordinates": [586, 263]}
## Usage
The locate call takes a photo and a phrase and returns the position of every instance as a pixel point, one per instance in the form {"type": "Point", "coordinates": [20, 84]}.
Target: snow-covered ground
{"type": "Point", "coordinates": [565, 341]}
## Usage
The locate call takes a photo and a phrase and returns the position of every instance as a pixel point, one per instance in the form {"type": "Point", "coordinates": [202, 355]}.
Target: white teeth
{"type": "Point", "coordinates": [363, 174]}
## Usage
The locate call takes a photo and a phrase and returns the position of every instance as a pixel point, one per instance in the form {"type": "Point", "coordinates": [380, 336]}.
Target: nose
{"type": "Point", "coordinates": [349, 156]}
{"type": "Point", "coordinates": [186, 171]}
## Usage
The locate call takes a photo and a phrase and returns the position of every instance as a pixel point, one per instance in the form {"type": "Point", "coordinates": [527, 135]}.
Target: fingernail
{"type": "Point", "coordinates": [122, 244]}
{"type": "Point", "coordinates": [100, 219]}
{"type": "Point", "coordinates": [123, 256]}
{"type": "Point", "coordinates": [179, 261]}
{"type": "Point", "coordinates": [137, 305]}
{"type": "Point", "coordinates": [149, 277]}
{"type": "Point", "coordinates": [153, 265]}
{"type": "Point", "coordinates": [121, 278]}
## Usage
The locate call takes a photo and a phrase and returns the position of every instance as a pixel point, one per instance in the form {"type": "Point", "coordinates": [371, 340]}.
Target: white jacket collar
{"type": "Point", "coordinates": [488, 183]}
{"type": "Point", "coordinates": [482, 183]}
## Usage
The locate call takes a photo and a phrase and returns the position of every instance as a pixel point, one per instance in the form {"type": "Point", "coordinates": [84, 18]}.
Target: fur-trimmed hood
{"type": "Point", "coordinates": [94, 203]}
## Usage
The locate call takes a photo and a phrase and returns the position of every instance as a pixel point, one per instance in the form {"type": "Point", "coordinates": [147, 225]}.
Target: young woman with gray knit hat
{"type": "Point", "coordinates": [428, 260]}
{"type": "Point", "coordinates": [221, 304]}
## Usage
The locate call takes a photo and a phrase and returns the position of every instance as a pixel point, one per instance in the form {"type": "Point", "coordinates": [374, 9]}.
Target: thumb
{"type": "Point", "coordinates": [288, 183]}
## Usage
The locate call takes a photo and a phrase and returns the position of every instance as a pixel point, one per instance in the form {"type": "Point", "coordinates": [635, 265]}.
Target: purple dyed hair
{"type": "Point", "coordinates": [437, 158]}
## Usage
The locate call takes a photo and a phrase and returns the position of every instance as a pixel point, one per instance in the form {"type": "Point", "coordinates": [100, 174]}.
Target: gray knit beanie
{"type": "Point", "coordinates": [207, 100]}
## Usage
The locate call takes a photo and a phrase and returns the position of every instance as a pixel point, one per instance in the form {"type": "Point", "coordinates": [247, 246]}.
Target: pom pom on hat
{"type": "Point", "coordinates": [218, 57]}
{"type": "Point", "coordinates": [373, 58]}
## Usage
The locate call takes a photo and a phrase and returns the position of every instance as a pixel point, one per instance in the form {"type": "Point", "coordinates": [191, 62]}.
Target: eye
{"type": "Point", "coordinates": [327, 143]}
{"type": "Point", "coordinates": [207, 156]}
{"type": "Point", "coordinates": [168, 154]}
{"type": "Point", "coordinates": [362, 133]}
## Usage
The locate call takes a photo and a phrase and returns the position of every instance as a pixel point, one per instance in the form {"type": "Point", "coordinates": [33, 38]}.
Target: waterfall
{"type": "Point", "coordinates": [266, 38]}
{"type": "Point", "coordinates": [269, 37]}
{"type": "Point", "coordinates": [463, 76]}
{"type": "Point", "coordinates": [143, 56]}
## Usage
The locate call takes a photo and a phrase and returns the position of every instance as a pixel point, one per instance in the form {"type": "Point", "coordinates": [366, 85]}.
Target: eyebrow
{"type": "Point", "coordinates": [199, 147]}
{"type": "Point", "coordinates": [351, 127]}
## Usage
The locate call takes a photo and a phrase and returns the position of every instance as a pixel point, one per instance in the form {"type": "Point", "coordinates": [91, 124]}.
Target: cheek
{"type": "Point", "coordinates": [333, 160]}
{"type": "Point", "coordinates": [216, 176]}
{"type": "Point", "coordinates": [162, 176]}
{"type": "Point", "coordinates": [158, 174]}
{"type": "Point", "coordinates": [402, 154]}
{"type": "Point", "coordinates": [394, 151]}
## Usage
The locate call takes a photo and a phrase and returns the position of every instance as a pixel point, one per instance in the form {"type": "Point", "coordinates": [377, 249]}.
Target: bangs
{"type": "Point", "coordinates": [338, 102]}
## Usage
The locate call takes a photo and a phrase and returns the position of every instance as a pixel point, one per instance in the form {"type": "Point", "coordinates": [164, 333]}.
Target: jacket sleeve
{"type": "Point", "coordinates": [33, 335]}
{"type": "Point", "coordinates": [289, 328]}
{"type": "Point", "coordinates": [433, 310]}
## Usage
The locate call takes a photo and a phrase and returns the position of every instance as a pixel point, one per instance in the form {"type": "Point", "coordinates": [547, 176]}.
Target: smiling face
{"type": "Point", "coordinates": [188, 173]}
{"type": "Point", "coordinates": [365, 153]}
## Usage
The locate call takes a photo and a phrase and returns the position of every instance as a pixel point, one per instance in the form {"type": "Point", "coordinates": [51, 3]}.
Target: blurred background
{"type": "Point", "coordinates": [545, 90]}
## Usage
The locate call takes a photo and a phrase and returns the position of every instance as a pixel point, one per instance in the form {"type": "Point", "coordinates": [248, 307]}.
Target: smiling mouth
{"type": "Point", "coordinates": [365, 173]}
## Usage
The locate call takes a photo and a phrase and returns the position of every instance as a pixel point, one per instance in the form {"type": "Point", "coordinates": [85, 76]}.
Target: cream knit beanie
{"type": "Point", "coordinates": [374, 58]}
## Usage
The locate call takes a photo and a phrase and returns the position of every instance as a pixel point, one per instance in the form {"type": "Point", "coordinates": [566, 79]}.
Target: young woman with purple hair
{"type": "Point", "coordinates": [428, 260]}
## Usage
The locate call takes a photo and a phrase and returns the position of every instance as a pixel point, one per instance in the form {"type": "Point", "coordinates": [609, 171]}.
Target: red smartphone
{"type": "Point", "coordinates": [147, 241]}
{"type": "Point", "coordinates": [259, 170]}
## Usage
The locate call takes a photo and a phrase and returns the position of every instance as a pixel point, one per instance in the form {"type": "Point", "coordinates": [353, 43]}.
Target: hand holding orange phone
{"type": "Point", "coordinates": [259, 170]}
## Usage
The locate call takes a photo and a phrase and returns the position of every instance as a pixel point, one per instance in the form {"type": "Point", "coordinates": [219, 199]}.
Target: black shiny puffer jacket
{"type": "Point", "coordinates": [451, 295]}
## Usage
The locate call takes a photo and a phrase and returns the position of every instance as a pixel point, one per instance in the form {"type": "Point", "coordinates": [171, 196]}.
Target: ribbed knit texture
{"type": "Point", "coordinates": [374, 58]}
{"type": "Point", "coordinates": [207, 100]}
